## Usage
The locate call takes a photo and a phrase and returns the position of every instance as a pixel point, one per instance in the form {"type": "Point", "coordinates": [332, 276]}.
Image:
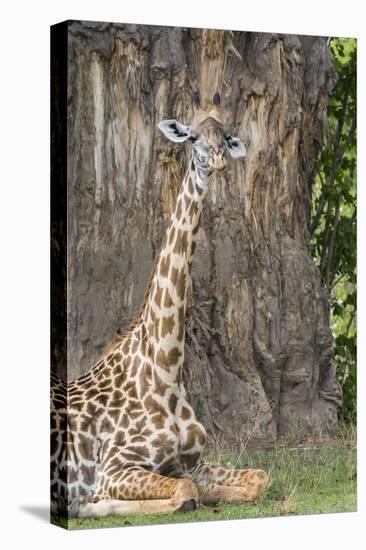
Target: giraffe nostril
{"type": "Point", "coordinates": [218, 162]}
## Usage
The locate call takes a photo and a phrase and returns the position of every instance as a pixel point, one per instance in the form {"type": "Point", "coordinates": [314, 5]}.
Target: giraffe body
{"type": "Point", "coordinates": [133, 424]}
{"type": "Point", "coordinates": [124, 439]}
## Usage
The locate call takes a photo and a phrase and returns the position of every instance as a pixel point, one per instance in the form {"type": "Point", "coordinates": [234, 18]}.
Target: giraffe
{"type": "Point", "coordinates": [124, 439]}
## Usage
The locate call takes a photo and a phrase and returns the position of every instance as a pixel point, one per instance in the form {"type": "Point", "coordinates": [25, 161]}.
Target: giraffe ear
{"type": "Point", "coordinates": [174, 130]}
{"type": "Point", "coordinates": [236, 147]}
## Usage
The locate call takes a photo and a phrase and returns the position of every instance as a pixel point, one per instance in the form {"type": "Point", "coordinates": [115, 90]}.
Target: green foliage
{"type": "Point", "coordinates": [333, 223]}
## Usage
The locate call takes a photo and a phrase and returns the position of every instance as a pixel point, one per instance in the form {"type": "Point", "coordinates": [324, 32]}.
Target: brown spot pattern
{"type": "Point", "coordinates": [88, 474]}
{"type": "Point", "coordinates": [173, 403]}
{"type": "Point", "coordinates": [134, 346]}
{"type": "Point", "coordinates": [105, 384]}
{"type": "Point", "coordinates": [187, 201]}
{"type": "Point", "coordinates": [181, 283]}
{"type": "Point", "coordinates": [164, 266]}
{"type": "Point", "coordinates": [158, 421]}
{"type": "Point", "coordinates": [154, 407]}
{"type": "Point", "coordinates": [160, 387]}
{"type": "Point", "coordinates": [185, 414]}
{"type": "Point", "coordinates": [117, 399]}
{"type": "Point", "coordinates": [106, 425]}
{"type": "Point", "coordinates": [178, 211]}
{"type": "Point", "coordinates": [119, 379]}
{"type": "Point", "coordinates": [194, 433]}
{"type": "Point", "coordinates": [156, 329]}
{"type": "Point", "coordinates": [181, 316]}
{"type": "Point", "coordinates": [114, 414]}
{"type": "Point", "coordinates": [158, 295]}
{"type": "Point", "coordinates": [126, 346]}
{"type": "Point", "coordinates": [139, 426]}
{"type": "Point", "coordinates": [92, 409]}
{"type": "Point", "coordinates": [120, 439]}
{"type": "Point", "coordinates": [168, 360]}
{"type": "Point", "coordinates": [135, 366]}
{"type": "Point", "coordinates": [168, 302]}
{"type": "Point", "coordinates": [161, 441]}
{"type": "Point", "coordinates": [140, 450]}
{"type": "Point", "coordinates": [167, 325]}
{"type": "Point", "coordinates": [87, 423]}
{"type": "Point", "coordinates": [174, 276]}
{"type": "Point", "coordinates": [124, 421]}
{"type": "Point", "coordinates": [91, 393]}
{"type": "Point", "coordinates": [181, 244]}
{"type": "Point", "coordinates": [144, 342]}
{"type": "Point", "coordinates": [145, 380]}
{"type": "Point", "coordinates": [190, 460]}
{"type": "Point", "coordinates": [85, 446]}
{"type": "Point", "coordinates": [102, 399]}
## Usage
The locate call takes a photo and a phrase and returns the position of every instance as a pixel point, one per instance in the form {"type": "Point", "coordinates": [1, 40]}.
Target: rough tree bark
{"type": "Point", "coordinates": [259, 358]}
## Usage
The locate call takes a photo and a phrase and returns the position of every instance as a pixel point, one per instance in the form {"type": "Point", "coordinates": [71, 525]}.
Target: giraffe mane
{"type": "Point", "coordinates": [149, 283]}
{"type": "Point", "coordinates": [116, 340]}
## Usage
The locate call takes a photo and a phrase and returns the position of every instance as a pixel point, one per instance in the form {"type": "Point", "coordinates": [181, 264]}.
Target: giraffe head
{"type": "Point", "coordinates": [212, 143]}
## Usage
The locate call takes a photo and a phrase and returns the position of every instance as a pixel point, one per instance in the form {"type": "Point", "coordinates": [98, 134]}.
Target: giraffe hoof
{"type": "Point", "coordinates": [188, 505]}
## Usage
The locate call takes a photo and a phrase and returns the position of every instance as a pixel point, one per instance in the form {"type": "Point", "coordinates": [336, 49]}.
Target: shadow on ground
{"type": "Point", "coordinates": [40, 512]}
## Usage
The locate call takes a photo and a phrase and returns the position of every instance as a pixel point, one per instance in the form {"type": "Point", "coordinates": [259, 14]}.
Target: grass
{"type": "Point", "coordinates": [311, 477]}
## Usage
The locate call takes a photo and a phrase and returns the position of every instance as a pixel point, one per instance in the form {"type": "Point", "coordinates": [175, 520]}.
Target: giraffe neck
{"type": "Point", "coordinates": [165, 308]}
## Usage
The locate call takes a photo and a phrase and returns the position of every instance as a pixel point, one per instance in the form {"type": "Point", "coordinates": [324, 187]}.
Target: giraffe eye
{"type": "Point", "coordinates": [193, 138]}
{"type": "Point", "coordinates": [231, 141]}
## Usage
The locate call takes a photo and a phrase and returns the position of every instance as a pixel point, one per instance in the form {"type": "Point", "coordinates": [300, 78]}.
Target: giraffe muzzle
{"type": "Point", "coordinates": [218, 162]}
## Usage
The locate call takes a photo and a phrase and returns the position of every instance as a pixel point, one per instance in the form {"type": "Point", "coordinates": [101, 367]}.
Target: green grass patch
{"type": "Point", "coordinates": [310, 478]}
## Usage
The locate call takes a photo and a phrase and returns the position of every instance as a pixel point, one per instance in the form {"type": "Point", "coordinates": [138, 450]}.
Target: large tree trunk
{"type": "Point", "coordinates": [259, 357]}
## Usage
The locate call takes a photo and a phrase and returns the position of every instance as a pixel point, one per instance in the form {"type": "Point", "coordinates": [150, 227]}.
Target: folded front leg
{"type": "Point", "coordinates": [218, 484]}
{"type": "Point", "coordinates": [134, 490]}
